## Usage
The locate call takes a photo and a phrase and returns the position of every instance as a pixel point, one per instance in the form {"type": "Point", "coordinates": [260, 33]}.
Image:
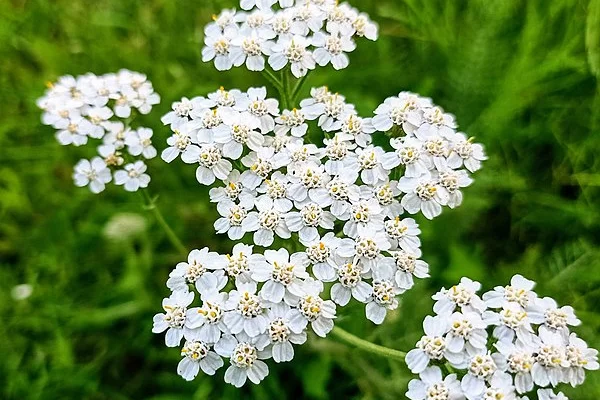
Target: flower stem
{"type": "Point", "coordinates": [150, 205]}
{"type": "Point", "coordinates": [368, 346]}
{"type": "Point", "coordinates": [298, 87]}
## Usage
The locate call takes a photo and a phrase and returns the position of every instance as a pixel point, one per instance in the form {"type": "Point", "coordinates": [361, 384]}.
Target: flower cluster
{"type": "Point", "coordinates": [505, 344]}
{"type": "Point", "coordinates": [340, 201]}
{"type": "Point", "coordinates": [300, 34]}
{"type": "Point", "coordinates": [86, 107]}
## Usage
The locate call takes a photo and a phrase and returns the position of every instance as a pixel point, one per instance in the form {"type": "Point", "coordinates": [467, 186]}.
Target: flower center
{"type": "Point", "coordinates": [426, 191]}
{"type": "Point", "coordinates": [310, 307]}
{"type": "Point", "coordinates": [194, 271]}
{"type": "Point", "coordinates": [237, 215]}
{"type": "Point", "coordinates": [433, 346]}
{"type": "Point", "coordinates": [383, 292]}
{"type": "Point", "coordinates": [276, 189]}
{"type": "Point", "coordinates": [211, 312]}
{"type": "Point", "coordinates": [556, 318]}
{"type": "Point", "coordinates": [384, 194]}
{"type": "Point", "coordinates": [195, 350]}
{"type": "Point", "coordinates": [269, 220]}
{"type": "Point", "coordinates": [368, 160]}
{"type": "Point", "coordinates": [237, 265]}
{"type": "Point", "coordinates": [482, 366]}
{"type": "Point", "coordinates": [249, 305]}
{"type": "Point", "coordinates": [353, 125]}
{"type": "Point", "coordinates": [311, 214]}
{"type": "Point", "coordinates": [462, 328]}
{"type": "Point", "coordinates": [281, 25]}
{"type": "Point", "coordinates": [210, 156]}
{"type": "Point", "coordinates": [367, 248]}
{"type": "Point", "coordinates": [459, 295]}
{"type": "Point", "coordinates": [520, 362]}
{"type": "Point", "coordinates": [395, 228]}
{"type": "Point", "coordinates": [551, 356]}
{"type": "Point", "coordinates": [513, 319]}
{"type": "Point", "coordinates": [350, 274]}
{"type": "Point", "coordinates": [240, 133]}
{"type": "Point", "coordinates": [262, 168]}
{"type": "Point", "coordinates": [520, 296]}
{"type": "Point", "coordinates": [360, 212]}
{"type": "Point", "coordinates": [294, 118]}
{"type": "Point", "coordinates": [408, 155]}
{"type": "Point", "coordinates": [279, 331]}
{"type": "Point", "coordinates": [333, 44]}
{"type": "Point", "coordinates": [336, 150]}
{"type": "Point", "coordinates": [283, 273]}
{"type": "Point", "coordinates": [221, 47]}
{"type": "Point", "coordinates": [258, 108]}
{"type": "Point", "coordinates": [175, 316]}
{"type": "Point", "coordinates": [449, 180]}
{"type": "Point", "coordinates": [233, 190]}
{"type": "Point", "coordinates": [318, 253]}
{"type": "Point", "coordinates": [338, 189]}
{"type": "Point", "coordinates": [211, 119]}
{"type": "Point", "coordinates": [404, 261]}
{"type": "Point", "coordinates": [310, 178]}
{"type": "Point", "coordinates": [244, 355]}
{"type": "Point", "coordinates": [438, 391]}
{"type": "Point", "coordinates": [183, 109]}
{"type": "Point", "coordinates": [251, 47]}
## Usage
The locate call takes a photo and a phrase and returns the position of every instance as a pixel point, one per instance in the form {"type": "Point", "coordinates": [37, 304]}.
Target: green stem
{"type": "Point", "coordinates": [285, 84]}
{"type": "Point", "coordinates": [150, 205]}
{"type": "Point", "coordinates": [298, 87]}
{"type": "Point", "coordinates": [368, 346]}
{"type": "Point", "coordinates": [271, 77]}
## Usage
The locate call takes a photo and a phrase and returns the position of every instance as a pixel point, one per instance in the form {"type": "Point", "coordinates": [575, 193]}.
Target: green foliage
{"type": "Point", "coordinates": [521, 76]}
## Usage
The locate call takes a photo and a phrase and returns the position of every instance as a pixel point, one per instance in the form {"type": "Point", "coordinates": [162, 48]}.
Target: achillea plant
{"type": "Point", "coordinates": [325, 197]}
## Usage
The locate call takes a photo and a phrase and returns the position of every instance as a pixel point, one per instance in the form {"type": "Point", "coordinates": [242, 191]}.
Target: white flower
{"type": "Point", "coordinates": [182, 111]}
{"type": "Point", "coordinates": [481, 368]}
{"type": "Point", "coordinates": [551, 360]}
{"type": "Point", "coordinates": [332, 49]}
{"type": "Point", "coordinates": [407, 266]}
{"type": "Point", "coordinates": [212, 164]}
{"type": "Point", "coordinates": [282, 275]}
{"type": "Point", "coordinates": [369, 160]}
{"type": "Point", "coordinates": [246, 310]}
{"type": "Point", "coordinates": [321, 254]}
{"type": "Point", "coordinates": [519, 361]}
{"type": "Point", "coordinates": [238, 131]}
{"type": "Point", "coordinates": [341, 160]}
{"type": "Point", "coordinates": [261, 4]}
{"type": "Point", "coordinates": [314, 310]}
{"type": "Point", "coordinates": [365, 214]}
{"type": "Point", "coordinates": [250, 49]}
{"type": "Point", "coordinates": [338, 20]}
{"type": "Point", "coordinates": [403, 111]}
{"type": "Point", "coordinates": [452, 181]}
{"type": "Point", "coordinates": [97, 116]}
{"type": "Point", "coordinates": [76, 132]}
{"type": "Point", "coordinates": [435, 118]}
{"type": "Point", "coordinates": [368, 247]}
{"type": "Point", "coordinates": [432, 386]}
{"type": "Point", "coordinates": [110, 155]}
{"type": "Point", "coordinates": [232, 218]}
{"type": "Point", "coordinates": [265, 224]}
{"type": "Point", "coordinates": [207, 321]}
{"type": "Point", "coordinates": [291, 121]}
{"type": "Point", "coordinates": [246, 355]}
{"type": "Point", "coordinates": [423, 194]}
{"type": "Point", "coordinates": [463, 295]}
{"type": "Point", "coordinates": [234, 191]}
{"type": "Point", "coordinates": [553, 318]}
{"type": "Point", "coordinates": [307, 221]}
{"type": "Point", "coordinates": [519, 291]}
{"type": "Point", "coordinates": [580, 358]}
{"type": "Point", "coordinates": [404, 234]}
{"type": "Point", "coordinates": [307, 183]}
{"type": "Point", "coordinates": [500, 387]}
{"type": "Point", "coordinates": [218, 46]}
{"type": "Point", "coordinates": [464, 152]}
{"type": "Point", "coordinates": [294, 51]}
{"type": "Point", "coordinates": [115, 134]}
{"type": "Point", "coordinates": [351, 284]}
{"type": "Point", "coordinates": [140, 142]}
{"type": "Point", "coordinates": [467, 332]}
{"type": "Point", "coordinates": [384, 293]}
{"type": "Point", "coordinates": [197, 355]}
{"type": "Point", "coordinates": [133, 176]}
{"type": "Point", "coordinates": [175, 318]}
{"type": "Point", "coordinates": [434, 148]}
{"type": "Point", "coordinates": [199, 262]}
{"type": "Point", "coordinates": [409, 154]}
{"type": "Point", "coordinates": [432, 345]}
{"type": "Point", "coordinates": [357, 129]}
{"type": "Point", "coordinates": [511, 320]}
{"type": "Point", "coordinates": [281, 334]}
{"type": "Point", "coordinates": [226, 19]}
{"type": "Point", "coordinates": [343, 193]}
{"type": "Point", "coordinates": [241, 262]}
{"type": "Point", "coordinates": [93, 173]}
{"type": "Point", "coordinates": [363, 26]}
{"type": "Point", "coordinates": [548, 394]}
{"type": "Point", "coordinates": [275, 192]}
{"type": "Point", "coordinates": [307, 18]}
{"type": "Point", "coordinates": [262, 109]}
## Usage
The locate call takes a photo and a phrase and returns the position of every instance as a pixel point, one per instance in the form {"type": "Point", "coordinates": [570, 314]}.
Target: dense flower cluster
{"type": "Point", "coordinates": [86, 107]}
{"type": "Point", "coordinates": [302, 35]}
{"type": "Point", "coordinates": [340, 201]}
{"type": "Point", "coordinates": [505, 343]}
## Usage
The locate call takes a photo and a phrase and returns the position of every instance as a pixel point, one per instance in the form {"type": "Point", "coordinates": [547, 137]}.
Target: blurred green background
{"type": "Point", "coordinates": [521, 76]}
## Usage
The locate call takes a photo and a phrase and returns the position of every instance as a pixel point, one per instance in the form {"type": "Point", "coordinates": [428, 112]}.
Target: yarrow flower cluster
{"type": "Point", "coordinates": [339, 203]}
{"type": "Point", "coordinates": [504, 344]}
{"type": "Point", "coordinates": [300, 34]}
{"type": "Point", "coordinates": [329, 220]}
{"type": "Point", "coordinates": [99, 107]}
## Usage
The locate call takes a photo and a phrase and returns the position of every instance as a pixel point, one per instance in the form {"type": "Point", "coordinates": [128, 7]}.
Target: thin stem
{"type": "Point", "coordinates": [150, 205]}
{"type": "Point", "coordinates": [368, 346]}
{"type": "Point", "coordinates": [298, 87]}
{"type": "Point", "coordinates": [285, 84]}
{"type": "Point", "coordinates": [271, 77]}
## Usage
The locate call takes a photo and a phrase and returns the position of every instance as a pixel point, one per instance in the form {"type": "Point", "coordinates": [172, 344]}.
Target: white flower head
{"type": "Point", "coordinates": [133, 176]}
{"type": "Point", "coordinates": [93, 173]}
